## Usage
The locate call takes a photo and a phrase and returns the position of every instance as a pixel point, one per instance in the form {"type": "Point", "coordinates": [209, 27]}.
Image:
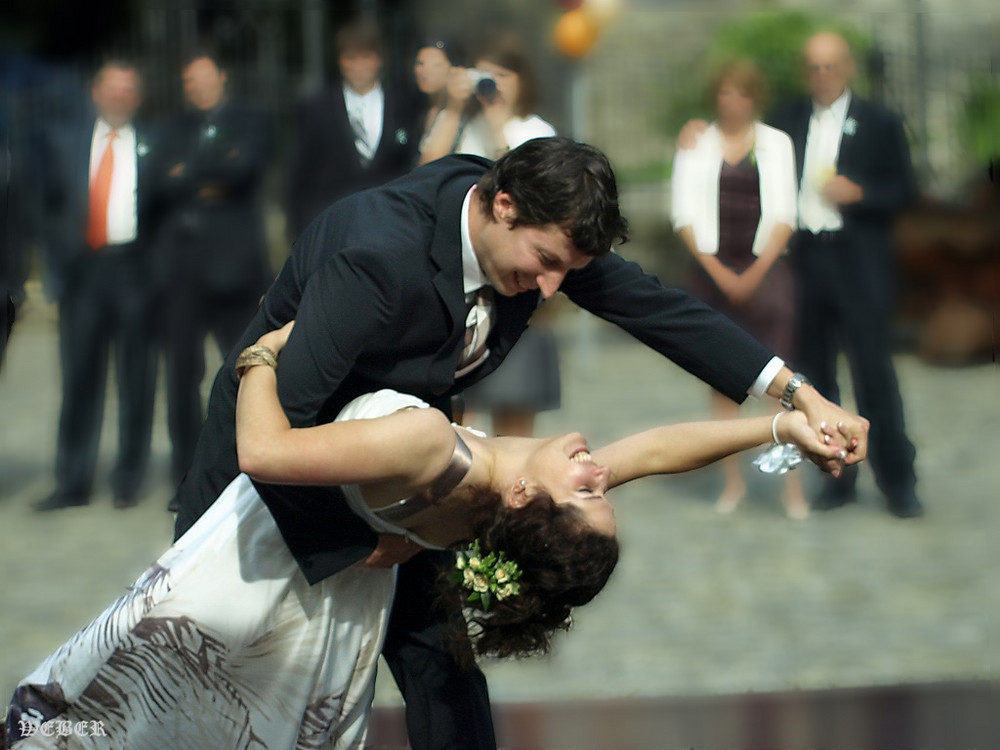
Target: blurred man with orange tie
{"type": "Point", "coordinates": [95, 217]}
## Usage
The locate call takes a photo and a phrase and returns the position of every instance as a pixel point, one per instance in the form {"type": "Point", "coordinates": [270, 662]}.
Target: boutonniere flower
{"type": "Point", "coordinates": [401, 137]}
{"type": "Point", "coordinates": [141, 148]}
{"type": "Point", "coordinates": [211, 131]}
{"type": "Point", "coordinates": [850, 126]}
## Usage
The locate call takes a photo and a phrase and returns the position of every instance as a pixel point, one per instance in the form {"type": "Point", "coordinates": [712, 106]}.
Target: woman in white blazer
{"type": "Point", "coordinates": [734, 205]}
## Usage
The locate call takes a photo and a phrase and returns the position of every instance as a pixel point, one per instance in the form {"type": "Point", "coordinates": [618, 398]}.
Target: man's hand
{"type": "Point", "coordinates": [391, 550]}
{"type": "Point", "coordinates": [688, 137]}
{"type": "Point", "coordinates": [841, 191]}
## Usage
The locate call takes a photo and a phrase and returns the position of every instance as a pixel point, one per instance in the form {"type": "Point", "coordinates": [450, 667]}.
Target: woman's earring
{"type": "Point", "coordinates": [524, 482]}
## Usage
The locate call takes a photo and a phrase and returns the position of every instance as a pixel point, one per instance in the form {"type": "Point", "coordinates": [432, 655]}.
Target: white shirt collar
{"type": "Point", "coordinates": [353, 97]}
{"type": "Point", "coordinates": [102, 128]}
{"type": "Point", "coordinates": [839, 107]}
{"type": "Point", "coordinates": [473, 277]}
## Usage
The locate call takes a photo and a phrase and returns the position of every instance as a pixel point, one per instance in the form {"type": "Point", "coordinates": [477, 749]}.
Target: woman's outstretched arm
{"type": "Point", "coordinates": [411, 447]}
{"type": "Point", "coordinates": [682, 447]}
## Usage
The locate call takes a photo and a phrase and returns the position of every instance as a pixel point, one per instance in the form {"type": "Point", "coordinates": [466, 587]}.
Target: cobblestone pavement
{"type": "Point", "coordinates": [700, 603]}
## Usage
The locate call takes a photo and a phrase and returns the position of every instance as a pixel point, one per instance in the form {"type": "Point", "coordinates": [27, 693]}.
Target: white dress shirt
{"type": "Point", "coordinates": [123, 218]}
{"type": "Point", "coordinates": [826, 128]}
{"type": "Point", "coordinates": [473, 278]}
{"type": "Point", "coordinates": [366, 111]}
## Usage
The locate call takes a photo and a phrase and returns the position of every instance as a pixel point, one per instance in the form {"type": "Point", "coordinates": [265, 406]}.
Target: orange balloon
{"type": "Point", "coordinates": [575, 33]}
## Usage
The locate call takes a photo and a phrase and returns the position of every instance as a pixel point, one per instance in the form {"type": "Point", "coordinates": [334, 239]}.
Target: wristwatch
{"type": "Point", "coordinates": [794, 383]}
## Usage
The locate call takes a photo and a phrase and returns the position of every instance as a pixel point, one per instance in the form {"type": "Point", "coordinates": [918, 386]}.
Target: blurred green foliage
{"type": "Point", "coordinates": [980, 119]}
{"type": "Point", "coordinates": [772, 40]}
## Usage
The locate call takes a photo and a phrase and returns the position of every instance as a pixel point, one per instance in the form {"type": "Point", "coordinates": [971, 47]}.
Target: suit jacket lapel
{"type": "Point", "coordinates": [848, 142]}
{"type": "Point", "coordinates": [799, 137]}
{"type": "Point", "coordinates": [446, 257]}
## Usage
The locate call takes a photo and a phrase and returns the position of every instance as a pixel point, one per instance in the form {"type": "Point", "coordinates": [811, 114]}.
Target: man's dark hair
{"type": "Point", "coordinates": [358, 37]}
{"type": "Point", "coordinates": [559, 181]}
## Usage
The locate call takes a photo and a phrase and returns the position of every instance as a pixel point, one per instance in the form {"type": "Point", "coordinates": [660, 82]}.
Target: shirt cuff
{"type": "Point", "coordinates": [769, 373]}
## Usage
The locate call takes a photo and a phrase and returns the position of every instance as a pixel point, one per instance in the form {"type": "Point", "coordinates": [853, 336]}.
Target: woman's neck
{"type": "Point", "coordinates": [735, 130]}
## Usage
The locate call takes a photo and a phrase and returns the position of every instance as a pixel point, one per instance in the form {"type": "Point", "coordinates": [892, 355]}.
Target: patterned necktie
{"type": "Point", "coordinates": [477, 329]}
{"type": "Point", "coordinates": [361, 143]}
{"type": "Point", "coordinates": [100, 192]}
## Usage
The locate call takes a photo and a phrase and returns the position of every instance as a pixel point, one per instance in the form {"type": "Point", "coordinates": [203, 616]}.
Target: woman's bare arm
{"type": "Point", "coordinates": [412, 446]}
{"type": "Point", "coordinates": [676, 448]}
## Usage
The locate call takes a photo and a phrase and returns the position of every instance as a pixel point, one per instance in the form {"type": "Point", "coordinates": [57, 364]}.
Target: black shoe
{"type": "Point", "coordinates": [834, 495]}
{"type": "Point", "coordinates": [125, 501]}
{"type": "Point", "coordinates": [58, 501]}
{"type": "Point", "coordinates": [906, 506]}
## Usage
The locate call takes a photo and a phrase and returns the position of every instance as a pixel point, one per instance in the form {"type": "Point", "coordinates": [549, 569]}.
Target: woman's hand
{"type": "Point", "coordinates": [742, 288]}
{"type": "Point", "coordinates": [793, 427]}
{"type": "Point", "coordinates": [276, 340]}
{"type": "Point", "coordinates": [459, 89]}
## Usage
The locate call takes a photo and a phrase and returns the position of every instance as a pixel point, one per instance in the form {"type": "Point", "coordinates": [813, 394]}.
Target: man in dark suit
{"type": "Point", "coordinates": [212, 257]}
{"type": "Point", "coordinates": [855, 176]}
{"type": "Point", "coordinates": [356, 135]}
{"type": "Point", "coordinates": [384, 285]}
{"type": "Point", "coordinates": [94, 189]}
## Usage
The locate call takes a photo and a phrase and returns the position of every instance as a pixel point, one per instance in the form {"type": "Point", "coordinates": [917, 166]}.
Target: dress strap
{"type": "Point", "coordinates": [458, 467]}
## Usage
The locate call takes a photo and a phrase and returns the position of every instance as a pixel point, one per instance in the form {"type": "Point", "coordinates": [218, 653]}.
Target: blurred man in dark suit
{"type": "Point", "coordinates": [95, 209]}
{"type": "Point", "coordinates": [356, 135]}
{"type": "Point", "coordinates": [855, 177]}
{"type": "Point", "coordinates": [212, 257]}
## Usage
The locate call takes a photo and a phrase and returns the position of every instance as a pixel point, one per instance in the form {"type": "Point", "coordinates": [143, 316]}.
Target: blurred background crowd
{"type": "Point", "coordinates": [159, 161]}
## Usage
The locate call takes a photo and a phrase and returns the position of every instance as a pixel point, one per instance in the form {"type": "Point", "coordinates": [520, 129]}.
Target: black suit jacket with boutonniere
{"type": "Point", "coordinates": [326, 166]}
{"type": "Point", "coordinates": [210, 173]}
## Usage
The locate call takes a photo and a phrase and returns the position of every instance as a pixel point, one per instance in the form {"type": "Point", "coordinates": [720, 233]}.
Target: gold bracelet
{"type": "Point", "coordinates": [253, 356]}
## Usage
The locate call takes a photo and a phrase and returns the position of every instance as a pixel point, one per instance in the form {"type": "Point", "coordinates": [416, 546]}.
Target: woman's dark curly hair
{"type": "Point", "coordinates": [563, 563]}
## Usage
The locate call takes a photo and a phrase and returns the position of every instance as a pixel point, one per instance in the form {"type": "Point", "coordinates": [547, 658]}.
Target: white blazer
{"type": "Point", "coordinates": [695, 186]}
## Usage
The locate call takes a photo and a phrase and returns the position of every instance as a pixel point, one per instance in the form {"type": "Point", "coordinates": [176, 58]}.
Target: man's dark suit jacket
{"type": "Point", "coordinates": [327, 167]}
{"type": "Point", "coordinates": [876, 157]}
{"type": "Point", "coordinates": [216, 242]}
{"type": "Point", "coordinates": [64, 195]}
{"type": "Point", "coordinates": [375, 287]}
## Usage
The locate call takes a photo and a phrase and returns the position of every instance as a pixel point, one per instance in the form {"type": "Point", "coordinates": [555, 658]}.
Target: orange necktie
{"type": "Point", "coordinates": [100, 191]}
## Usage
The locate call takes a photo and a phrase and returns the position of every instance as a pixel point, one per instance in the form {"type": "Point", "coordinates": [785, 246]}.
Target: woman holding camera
{"type": "Point", "coordinates": [507, 118]}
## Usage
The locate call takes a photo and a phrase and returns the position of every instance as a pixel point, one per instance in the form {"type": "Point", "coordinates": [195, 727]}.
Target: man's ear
{"type": "Point", "coordinates": [503, 207]}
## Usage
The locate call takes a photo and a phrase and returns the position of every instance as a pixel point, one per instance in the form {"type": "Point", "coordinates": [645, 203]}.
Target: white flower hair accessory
{"type": "Point", "coordinates": [488, 577]}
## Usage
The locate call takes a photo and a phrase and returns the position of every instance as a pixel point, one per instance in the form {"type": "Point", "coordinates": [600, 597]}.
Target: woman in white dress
{"type": "Point", "coordinates": [222, 643]}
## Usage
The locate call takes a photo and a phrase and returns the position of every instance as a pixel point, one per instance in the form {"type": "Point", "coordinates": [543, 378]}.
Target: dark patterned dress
{"type": "Point", "coordinates": [770, 314]}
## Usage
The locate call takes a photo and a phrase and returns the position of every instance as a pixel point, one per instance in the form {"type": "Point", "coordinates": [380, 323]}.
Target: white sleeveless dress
{"type": "Point", "coordinates": [222, 643]}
